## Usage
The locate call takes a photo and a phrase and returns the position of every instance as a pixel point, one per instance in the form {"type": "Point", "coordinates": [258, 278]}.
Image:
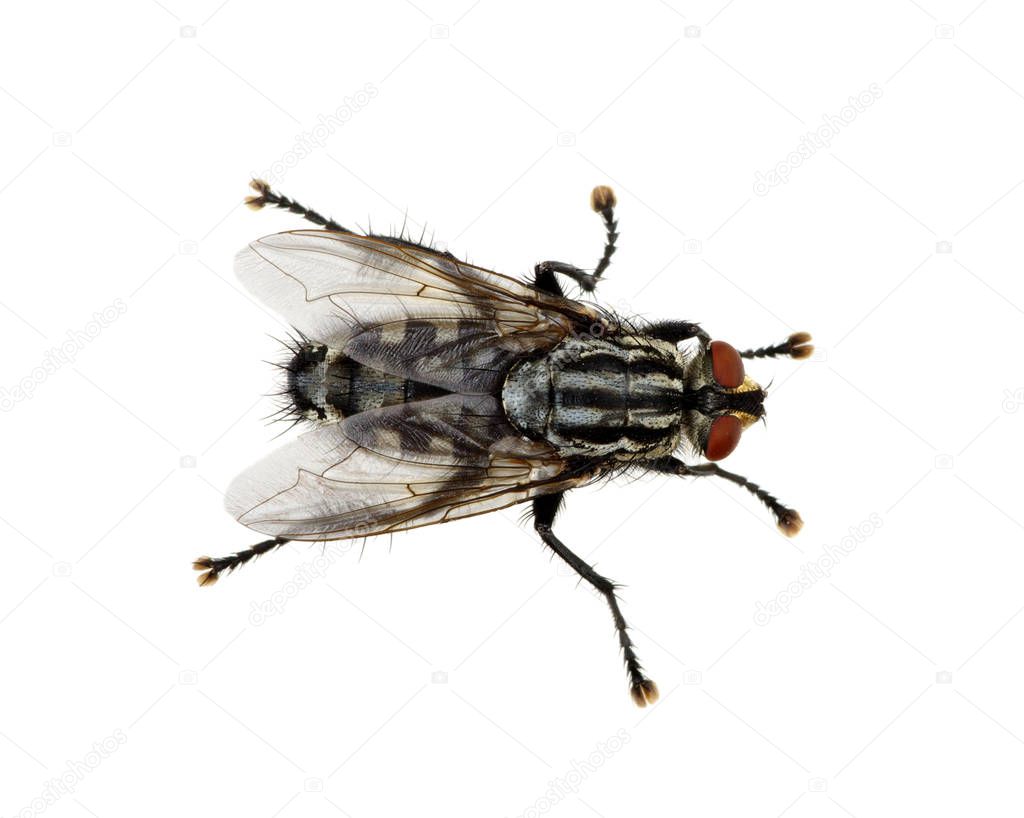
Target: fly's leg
{"type": "Point", "coordinates": [265, 196]}
{"type": "Point", "coordinates": [213, 566]}
{"type": "Point", "coordinates": [796, 346]}
{"type": "Point", "coordinates": [642, 689]}
{"type": "Point", "coordinates": [788, 519]}
{"type": "Point", "coordinates": [676, 331]}
{"type": "Point", "coordinates": [544, 276]}
{"type": "Point", "coordinates": [602, 200]}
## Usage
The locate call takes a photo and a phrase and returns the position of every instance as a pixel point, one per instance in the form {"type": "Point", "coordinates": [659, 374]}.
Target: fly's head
{"type": "Point", "coordinates": [720, 399]}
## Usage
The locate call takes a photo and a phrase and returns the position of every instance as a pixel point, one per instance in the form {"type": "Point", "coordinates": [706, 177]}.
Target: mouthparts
{"type": "Point", "coordinates": [714, 401]}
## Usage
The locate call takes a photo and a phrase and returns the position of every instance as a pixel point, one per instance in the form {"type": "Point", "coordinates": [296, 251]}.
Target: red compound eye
{"type": "Point", "coordinates": [723, 437]}
{"type": "Point", "coordinates": [726, 364]}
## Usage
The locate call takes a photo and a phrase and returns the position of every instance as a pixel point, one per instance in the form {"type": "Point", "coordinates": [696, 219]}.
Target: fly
{"type": "Point", "coordinates": [438, 390]}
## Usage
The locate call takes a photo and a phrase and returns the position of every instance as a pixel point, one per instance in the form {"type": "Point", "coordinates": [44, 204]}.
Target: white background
{"type": "Point", "coordinates": [890, 687]}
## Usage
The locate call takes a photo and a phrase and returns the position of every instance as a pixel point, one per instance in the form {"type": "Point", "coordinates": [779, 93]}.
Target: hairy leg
{"type": "Point", "coordinates": [545, 509]}
{"type": "Point", "coordinates": [602, 200]}
{"type": "Point", "coordinates": [788, 519]}
{"type": "Point", "coordinates": [213, 566]}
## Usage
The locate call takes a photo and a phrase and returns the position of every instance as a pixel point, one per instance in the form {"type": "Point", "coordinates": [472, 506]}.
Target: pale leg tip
{"type": "Point", "coordinates": [644, 693]}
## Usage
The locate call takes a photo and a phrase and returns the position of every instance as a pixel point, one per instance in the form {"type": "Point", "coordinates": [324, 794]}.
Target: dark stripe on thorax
{"type": "Point", "coordinates": [612, 399]}
{"type": "Point", "coordinates": [603, 435]}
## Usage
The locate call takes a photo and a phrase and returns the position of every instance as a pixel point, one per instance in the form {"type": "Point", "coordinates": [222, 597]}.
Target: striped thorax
{"type": "Point", "coordinates": [589, 396]}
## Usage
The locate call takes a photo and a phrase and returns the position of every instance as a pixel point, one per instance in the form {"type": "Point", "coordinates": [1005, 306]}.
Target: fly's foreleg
{"type": "Point", "coordinates": [602, 200]}
{"type": "Point", "coordinates": [544, 278]}
{"type": "Point", "coordinates": [642, 689]}
{"type": "Point", "coordinates": [787, 519]}
{"type": "Point", "coordinates": [676, 331]}
{"type": "Point", "coordinates": [213, 566]}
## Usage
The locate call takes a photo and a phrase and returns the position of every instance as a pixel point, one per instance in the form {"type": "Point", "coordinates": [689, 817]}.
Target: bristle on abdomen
{"type": "Point", "coordinates": [307, 379]}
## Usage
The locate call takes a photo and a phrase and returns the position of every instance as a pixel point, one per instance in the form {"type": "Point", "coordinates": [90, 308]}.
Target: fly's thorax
{"type": "Point", "coordinates": [618, 396]}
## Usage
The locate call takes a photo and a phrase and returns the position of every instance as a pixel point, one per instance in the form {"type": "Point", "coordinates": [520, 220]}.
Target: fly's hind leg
{"type": "Point", "coordinates": [213, 566]}
{"type": "Point", "coordinates": [642, 689]}
{"type": "Point", "coordinates": [602, 200]}
{"type": "Point", "coordinates": [265, 196]}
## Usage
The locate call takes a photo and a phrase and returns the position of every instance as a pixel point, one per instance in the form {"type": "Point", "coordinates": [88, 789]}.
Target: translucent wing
{"type": "Point", "coordinates": [405, 309]}
{"type": "Point", "coordinates": [396, 468]}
